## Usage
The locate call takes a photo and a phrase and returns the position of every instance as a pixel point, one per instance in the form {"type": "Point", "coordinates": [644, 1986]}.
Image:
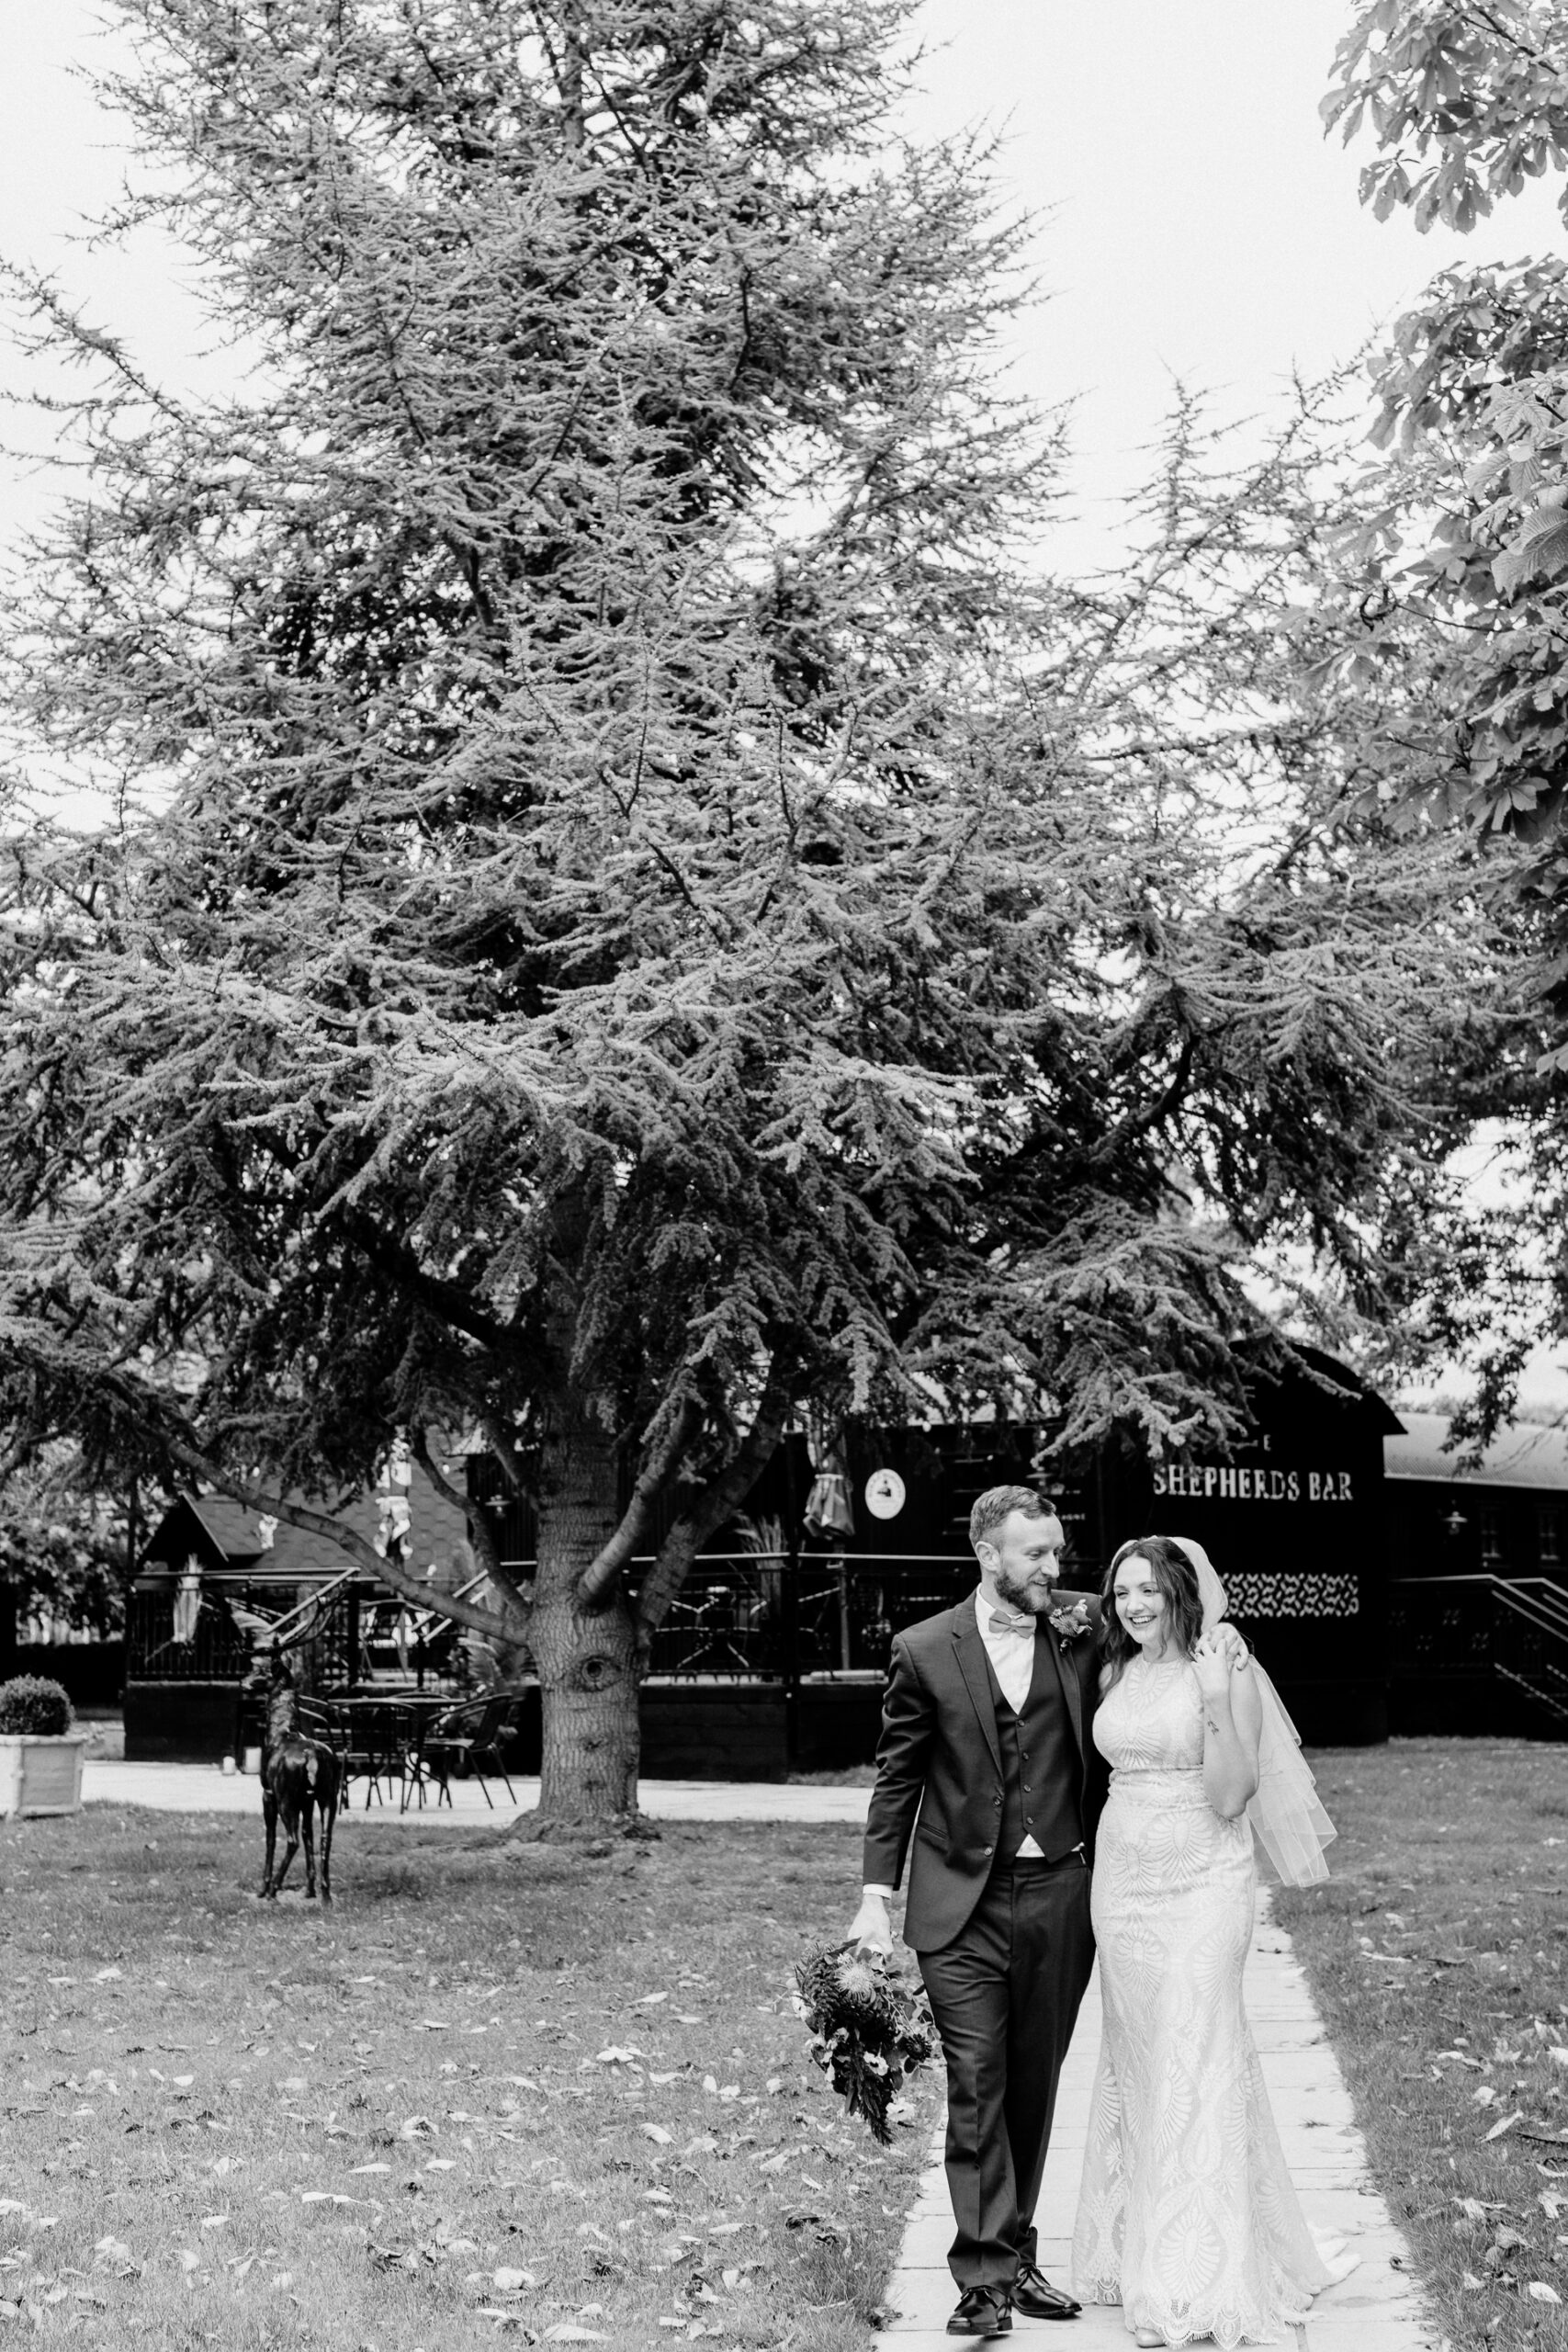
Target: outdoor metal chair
{"type": "Point", "coordinates": [372, 1747]}
{"type": "Point", "coordinates": [472, 1734]}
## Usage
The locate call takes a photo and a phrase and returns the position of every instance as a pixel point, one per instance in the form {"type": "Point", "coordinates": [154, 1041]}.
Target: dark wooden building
{"type": "Point", "coordinates": [1477, 1580]}
{"type": "Point", "coordinates": [775, 1655]}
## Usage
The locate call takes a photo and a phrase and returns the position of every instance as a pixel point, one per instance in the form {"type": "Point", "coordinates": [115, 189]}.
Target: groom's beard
{"type": "Point", "coordinates": [1034, 1595]}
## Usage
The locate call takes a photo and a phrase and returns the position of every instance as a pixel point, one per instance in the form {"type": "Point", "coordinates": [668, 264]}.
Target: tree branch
{"type": "Point", "coordinates": [478, 1525]}
{"type": "Point", "coordinates": [601, 1572]}
{"type": "Point", "coordinates": [510, 1462]}
{"type": "Point", "coordinates": [443, 1300]}
{"type": "Point", "coordinates": [722, 1496]}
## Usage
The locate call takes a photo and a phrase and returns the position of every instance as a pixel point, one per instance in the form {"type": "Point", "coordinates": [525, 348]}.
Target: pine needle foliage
{"type": "Point", "coordinates": [632, 901]}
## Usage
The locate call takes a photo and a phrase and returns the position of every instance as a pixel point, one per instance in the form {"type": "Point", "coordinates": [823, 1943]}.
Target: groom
{"type": "Point", "coordinates": [985, 1737]}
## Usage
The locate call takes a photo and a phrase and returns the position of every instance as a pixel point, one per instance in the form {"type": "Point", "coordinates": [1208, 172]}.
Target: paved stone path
{"type": "Point", "coordinates": [1375, 2310]}
{"type": "Point", "coordinates": [203, 1788]}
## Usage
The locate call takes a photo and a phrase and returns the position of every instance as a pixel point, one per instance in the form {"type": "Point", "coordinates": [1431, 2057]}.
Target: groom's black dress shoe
{"type": "Point", "coordinates": [1033, 2295]}
{"type": "Point", "coordinates": [982, 2311]}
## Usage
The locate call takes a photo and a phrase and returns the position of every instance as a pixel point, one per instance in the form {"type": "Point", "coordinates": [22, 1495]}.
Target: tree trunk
{"type": "Point", "coordinates": [586, 1658]}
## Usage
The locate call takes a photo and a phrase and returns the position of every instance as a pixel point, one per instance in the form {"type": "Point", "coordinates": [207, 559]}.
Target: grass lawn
{"type": "Point", "coordinates": [497, 2090]}
{"type": "Point", "coordinates": [1439, 1956]}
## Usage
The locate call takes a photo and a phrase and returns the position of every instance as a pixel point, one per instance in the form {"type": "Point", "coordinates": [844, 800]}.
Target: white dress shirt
{"type": "Point", "coordinates": [1012, 1663]}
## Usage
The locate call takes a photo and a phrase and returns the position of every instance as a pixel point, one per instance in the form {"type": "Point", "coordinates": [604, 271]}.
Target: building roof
{"type": "Point", "coordinates": [228, 1537]}
{"type": "Point", "coordinates": [1524, 1454]}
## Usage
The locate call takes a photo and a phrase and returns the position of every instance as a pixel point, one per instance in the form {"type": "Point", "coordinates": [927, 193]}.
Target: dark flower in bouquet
{"type": "Point", "coordinates": [867, 2030]}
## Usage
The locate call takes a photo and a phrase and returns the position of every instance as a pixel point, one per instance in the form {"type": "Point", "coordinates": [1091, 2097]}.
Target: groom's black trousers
{"type": "Point", "coordinates": [1005, 1995]}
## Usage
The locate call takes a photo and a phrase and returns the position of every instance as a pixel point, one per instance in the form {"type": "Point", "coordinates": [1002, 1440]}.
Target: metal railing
{"type": "Point", "coordinates": [766, 1617]}
{"type": "Point", "coordinates": [1515, 1626]}
{"type": "Point", "coordinates": [218, 1651]}
{"type": "Point", "coordinates": [346, 1633]}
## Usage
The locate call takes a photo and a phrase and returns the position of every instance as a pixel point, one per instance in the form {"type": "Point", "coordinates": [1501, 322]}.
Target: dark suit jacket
{"type": "Point", "coordinates": [939, 1756]}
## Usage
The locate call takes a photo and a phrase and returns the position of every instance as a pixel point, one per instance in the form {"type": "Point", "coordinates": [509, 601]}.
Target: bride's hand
{"type": "Point", "coordinates": [1212, 1658]}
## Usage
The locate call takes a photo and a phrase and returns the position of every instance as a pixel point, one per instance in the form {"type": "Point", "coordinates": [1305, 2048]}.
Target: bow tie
{"type": "Point", "coordinates": [1004, 1621]}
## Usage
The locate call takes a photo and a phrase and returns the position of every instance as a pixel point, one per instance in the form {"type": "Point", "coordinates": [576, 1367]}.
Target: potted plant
{"type": "Point", "coordinates": [40, 1755]}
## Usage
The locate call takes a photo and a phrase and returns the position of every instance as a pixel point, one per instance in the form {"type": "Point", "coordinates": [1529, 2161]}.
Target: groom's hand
{"type": "Point", "coordinates": [870, 1929]}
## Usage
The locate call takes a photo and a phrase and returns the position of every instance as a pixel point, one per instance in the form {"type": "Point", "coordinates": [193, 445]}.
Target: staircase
{"type": "Point", "coordinates": [1480, 1652]}
{"type": "Point", "coordinates": [1529, 1643]}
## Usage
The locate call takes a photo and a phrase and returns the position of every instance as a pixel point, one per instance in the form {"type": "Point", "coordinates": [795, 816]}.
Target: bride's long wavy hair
{"type": "Point", "coordinates": [1178, 1581]}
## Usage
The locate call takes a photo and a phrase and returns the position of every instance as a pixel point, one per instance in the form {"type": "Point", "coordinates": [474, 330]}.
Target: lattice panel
{"type": "Point", "coordinates": [1252, 1594]}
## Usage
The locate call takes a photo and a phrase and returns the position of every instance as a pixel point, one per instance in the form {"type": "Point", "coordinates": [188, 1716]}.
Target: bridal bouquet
{"type": "Point", "coordinates": [867, 2032]}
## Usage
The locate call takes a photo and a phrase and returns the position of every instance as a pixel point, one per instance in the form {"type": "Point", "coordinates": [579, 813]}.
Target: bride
{"type": "Point", "coordinates": [1187, 2216]}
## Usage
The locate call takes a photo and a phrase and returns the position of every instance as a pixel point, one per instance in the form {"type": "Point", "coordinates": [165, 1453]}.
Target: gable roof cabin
{"type": "Point", "coordinates": [230, 1541]}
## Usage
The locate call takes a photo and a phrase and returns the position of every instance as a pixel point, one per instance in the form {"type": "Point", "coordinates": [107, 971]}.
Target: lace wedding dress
{"type": "Point", "coordinates": [1187, 2216]}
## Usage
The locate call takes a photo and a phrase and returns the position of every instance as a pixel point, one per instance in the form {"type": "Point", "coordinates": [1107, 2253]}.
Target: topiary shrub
{"type": "Point", "coordinates": [33, 1704]}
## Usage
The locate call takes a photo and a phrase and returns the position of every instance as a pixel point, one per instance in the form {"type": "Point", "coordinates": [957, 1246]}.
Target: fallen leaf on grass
{"type": "Point", "coordinates": [1484, 2096]}
{"type": "Point", "coordinates": [658, 2134]}
{"type": "Point", "coordinates": [1506, 2124]}
{"type": "Point", "coordinates": [1540, 2292]}
{"type": "Point", "coordinates": [113, 2249]}
{"type": "Point", "coordinates": [566, 2332]}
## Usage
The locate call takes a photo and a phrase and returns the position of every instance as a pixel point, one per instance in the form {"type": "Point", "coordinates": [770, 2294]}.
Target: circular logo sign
{"type": "Point", "coordinates": [885, 1494]}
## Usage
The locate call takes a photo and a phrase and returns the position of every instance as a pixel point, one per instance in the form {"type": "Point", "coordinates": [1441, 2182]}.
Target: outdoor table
{"type": "Point", "coordinates": [384, 1734]}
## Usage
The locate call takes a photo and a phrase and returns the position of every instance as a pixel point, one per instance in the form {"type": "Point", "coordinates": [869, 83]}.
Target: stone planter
{"type": "Point", "coordinates": [39, 1775]}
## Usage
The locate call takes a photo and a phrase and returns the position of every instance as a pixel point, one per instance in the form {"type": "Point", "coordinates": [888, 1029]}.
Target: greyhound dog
{"type": "Point", "coordinates": [299, 1777]}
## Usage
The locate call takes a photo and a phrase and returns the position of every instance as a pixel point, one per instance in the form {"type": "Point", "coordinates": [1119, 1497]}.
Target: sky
{"type": "Point", "coordinates": [1192, 219]}
{"type": "Point", "coordinates": [1191, 222]}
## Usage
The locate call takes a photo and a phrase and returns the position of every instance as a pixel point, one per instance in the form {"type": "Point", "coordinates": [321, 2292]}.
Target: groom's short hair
{"type": "Point", "coordinates": [997, 1503]}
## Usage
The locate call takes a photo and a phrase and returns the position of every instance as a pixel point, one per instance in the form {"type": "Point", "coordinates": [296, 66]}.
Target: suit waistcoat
{"type": "Point", "coordinates": [1040, 1771]}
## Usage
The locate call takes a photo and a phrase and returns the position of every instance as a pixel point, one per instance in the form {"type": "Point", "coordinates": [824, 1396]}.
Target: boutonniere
{"type": "Point", "coordinates": [1069, 1624]}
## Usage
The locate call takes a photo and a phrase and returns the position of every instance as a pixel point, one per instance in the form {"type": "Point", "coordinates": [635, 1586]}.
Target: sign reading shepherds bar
{"type": "Point", "coordinates": [1236, 1482]}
